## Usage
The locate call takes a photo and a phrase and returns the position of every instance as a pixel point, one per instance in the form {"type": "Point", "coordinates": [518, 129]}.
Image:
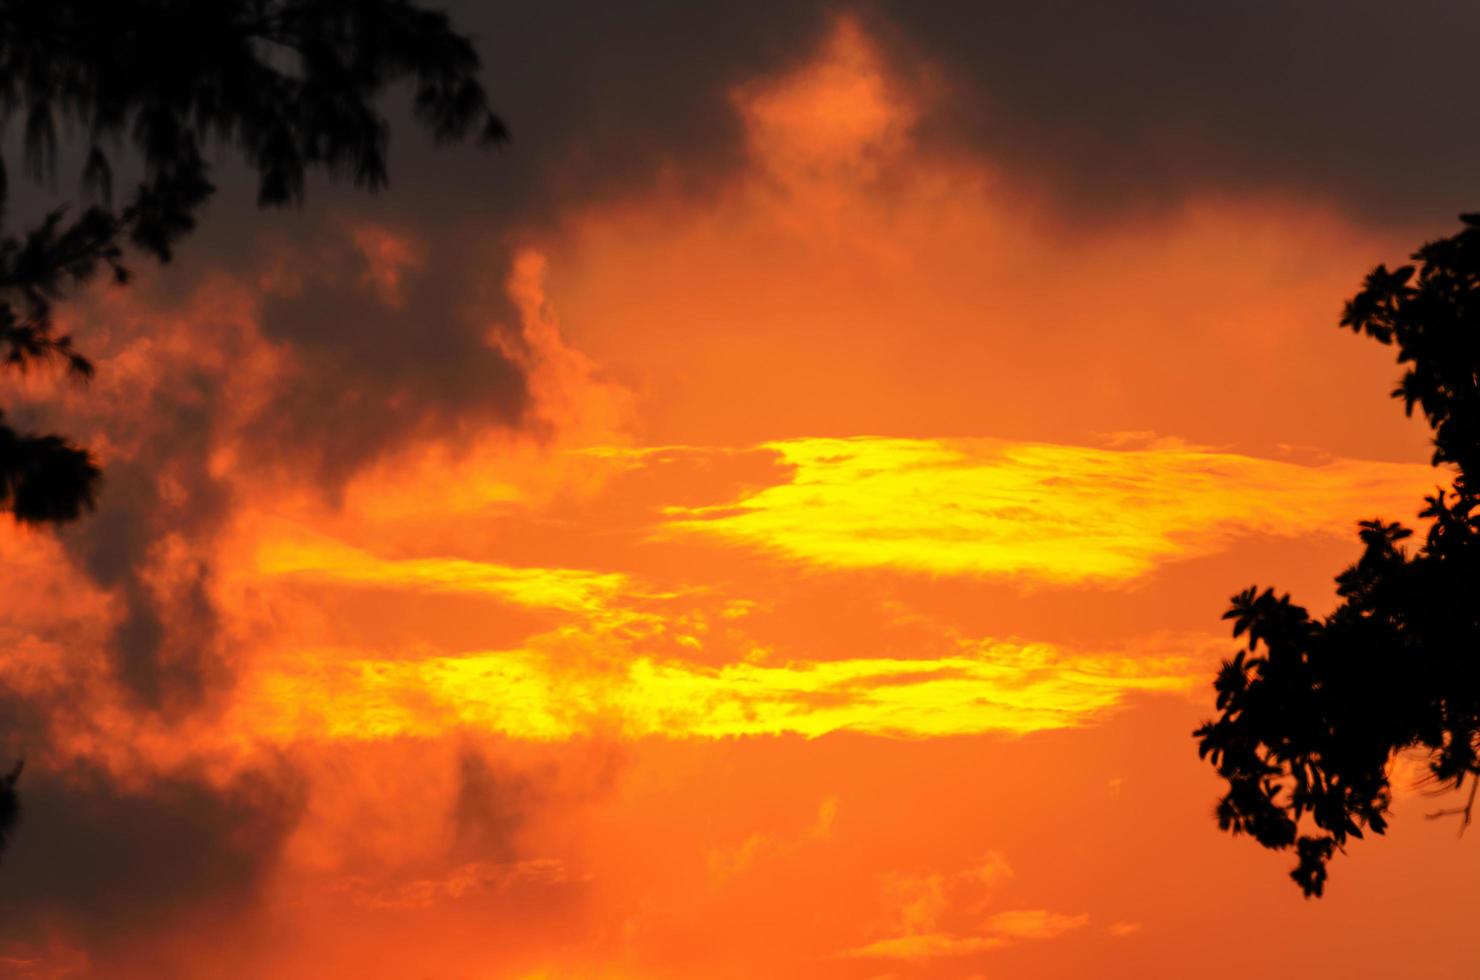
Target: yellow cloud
{"type": "Point", "coordinates": [1001, 930]}
{"type": "Point", "coordinates": [1066, 514]}
{"type": "Point", "coordinates": [928, 945]}
{"type": "Point", "coordinates": [325, 560]}
{"type": "Point", "coordinates": [530, 694]}
{"type": "Point", "coordinates": [1034, 923]}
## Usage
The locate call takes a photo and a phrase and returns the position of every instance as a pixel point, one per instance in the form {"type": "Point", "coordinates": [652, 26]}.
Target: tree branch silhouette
{"type": "Point", "coordinates": [1313, 711]}
{"type": "Point", "coordinates": [1465, 813]}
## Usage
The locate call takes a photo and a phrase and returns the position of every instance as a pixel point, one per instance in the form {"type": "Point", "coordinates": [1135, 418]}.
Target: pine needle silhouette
{"type": "Point", "coordinates": [1313, 711]}
{"type": "Point", "coordinates": [290, 86]}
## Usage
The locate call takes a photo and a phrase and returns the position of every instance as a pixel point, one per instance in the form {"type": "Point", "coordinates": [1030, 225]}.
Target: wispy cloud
{"type": "Point", "coordinates": [927, 945]}
{"type": "Point", "coordinates": [939, 915]}
{"type": "Point", "coordinates": [1001, 930]}
{"type": "Point", "coordinates": [1034, 923]}
{"type": "Point", "coordinates": [325, 560]}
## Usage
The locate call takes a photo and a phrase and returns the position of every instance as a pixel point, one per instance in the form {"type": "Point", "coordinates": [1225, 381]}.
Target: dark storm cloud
{"type": "Point", "coordinates": [1144, 102]}
{"type": "Point", "coordinates": [166, 647]}
{"type": "Point", "coordinates": [102, 861]}
{"type": "Point", "coordinates": [158, 486]}
{"type": "Point", "coordinates": [603, 98]}
{"type": "Point", "coordinates": [1114, 105]}
{"type": "Point", "coordinates": [365, 375]}
{"type": "Point", "coordinates": [368, 375]}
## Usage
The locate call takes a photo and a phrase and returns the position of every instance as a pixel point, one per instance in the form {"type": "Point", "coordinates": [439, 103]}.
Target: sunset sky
{"type": "Point", "coordinates": [769, 520]}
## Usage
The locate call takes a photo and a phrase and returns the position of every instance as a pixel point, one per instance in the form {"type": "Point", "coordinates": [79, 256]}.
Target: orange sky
{"type": "Point", "coordinates": [840, 607]}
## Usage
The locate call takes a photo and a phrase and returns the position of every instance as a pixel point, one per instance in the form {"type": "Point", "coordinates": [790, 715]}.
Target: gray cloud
{"type": "Point", "coordinates": [101, 862]}
{"type": "Point", "coordinates": [166, 647]}
{"type": "Point", "coordinates": [1145, 102]}
{"type": "Point", "coordinates": [368, 376]}
{"type": "Point", "coordinates": [1116, 106]}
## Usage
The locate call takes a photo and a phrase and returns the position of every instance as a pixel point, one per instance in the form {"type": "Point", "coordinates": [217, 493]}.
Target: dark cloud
{"type": "Point", "coordinates": [100, 862]}
{"type": "Point", "coordinates": [368, 375]}
{"type": "Point", "coordinates": [158, 487]}
{"type": "Point", "coordinates": [1113, 105]}
{"type": "Point", "coordinates": [167, 651]}
{"type": "Point", "coordinates": [491, 807]}
{"type": "Point", "coordinates": [1145, 102]}
{"type": "Point", "coordinates": [603, 99]}
{"type": "Point", "coordinates": [364, 374]}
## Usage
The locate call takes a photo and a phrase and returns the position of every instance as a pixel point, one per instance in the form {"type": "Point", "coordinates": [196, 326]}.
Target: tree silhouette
{"type": "Point", "coordinates": [1313, 712]}
{"type": "Point", "coordinates": [290, 85]}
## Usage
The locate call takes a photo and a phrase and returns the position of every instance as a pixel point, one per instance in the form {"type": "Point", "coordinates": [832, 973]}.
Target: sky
{"type": "Point", "coordinates": [770, 519]}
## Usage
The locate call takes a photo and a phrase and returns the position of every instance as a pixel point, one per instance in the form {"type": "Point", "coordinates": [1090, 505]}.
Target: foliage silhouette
{"type": "Point", "coordinates": [290, 85]}
{"type": "Point", "coordinates": [1313, 712]}
{"type": "Point", "coordinates": [9, 806]}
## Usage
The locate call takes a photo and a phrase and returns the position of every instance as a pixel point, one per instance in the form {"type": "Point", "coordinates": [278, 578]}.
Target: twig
{"type": "Point", "coordinates": [1466, 812]}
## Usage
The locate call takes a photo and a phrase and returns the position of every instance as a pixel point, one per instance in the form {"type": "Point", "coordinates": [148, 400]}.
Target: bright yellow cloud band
{"type": "Point", "coordinates": [1059, 513]}
{"type": "Point", "coordinates": [1063, 514]}
{"type": "Point", "coordinates": [329, 561]}
{"type": "Point", "coordinates": [993, 687]}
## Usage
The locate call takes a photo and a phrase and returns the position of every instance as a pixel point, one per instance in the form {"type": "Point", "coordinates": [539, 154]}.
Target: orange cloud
{"type": "Point", "coordinates": [855, 277]}
{"type": "Point", "coordinates": [834, 122]}
{"type": "Point", "coordinates": [927, 945]}
{"type": "Point", "coordinates": [922, 904]}
{"type": "Point", "coordinates": [572, 397]}
{"type": "Point", "coordinates": [1034, 923]}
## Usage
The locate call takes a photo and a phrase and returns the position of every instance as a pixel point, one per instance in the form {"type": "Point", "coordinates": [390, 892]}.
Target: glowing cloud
{"type": "Point", "coordinates": [921, 903]}
{"type": "Point", "coordinates": [1034, 923]}
{"type": "Point", "coordinates": [1002, 929]}
{"type": "Point", "coordinates": [529, 694]}
{"type": "Point", "coordinates": [1061, 514]}
{"type": "Point", "coordinates": [928, 945]}
{"type": "Point", "coordinates": [326, 560]}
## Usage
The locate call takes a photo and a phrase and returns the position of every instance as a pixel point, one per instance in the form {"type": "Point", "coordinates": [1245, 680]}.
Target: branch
{"type": "Point", "coordinates": [1465, 812]}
